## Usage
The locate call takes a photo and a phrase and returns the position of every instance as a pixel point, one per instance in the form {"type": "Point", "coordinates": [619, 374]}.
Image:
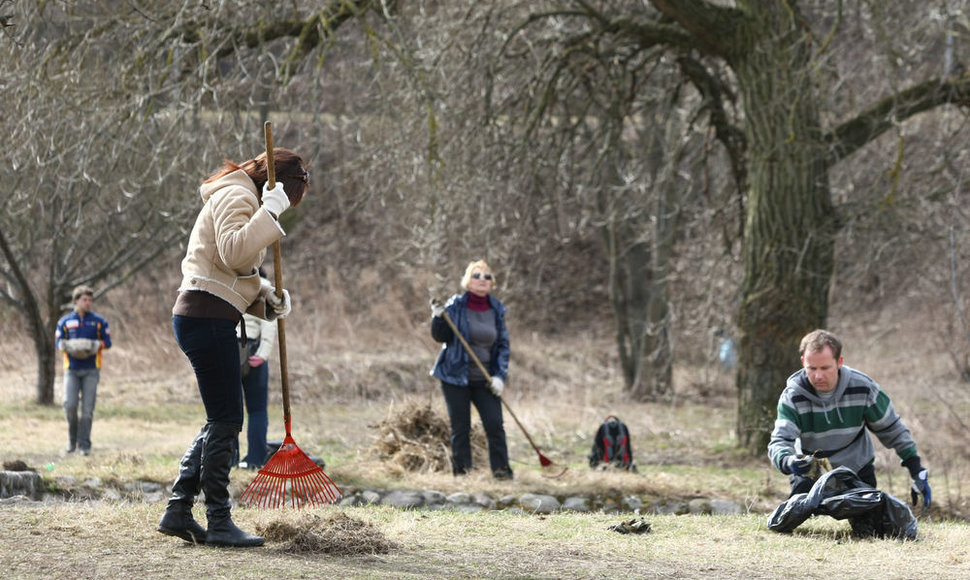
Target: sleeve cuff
{"type": "Point", "coordinates": [275, 220]}
{"type": "Point", "coordinates": [913, 465]}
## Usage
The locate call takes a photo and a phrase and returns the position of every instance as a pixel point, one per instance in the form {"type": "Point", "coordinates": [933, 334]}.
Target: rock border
{"type": "Point", "coordinates": [20, 486]}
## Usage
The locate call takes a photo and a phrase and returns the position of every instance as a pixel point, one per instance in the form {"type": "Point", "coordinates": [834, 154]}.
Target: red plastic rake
{"type": "Point", "coordinates": [290, 475]}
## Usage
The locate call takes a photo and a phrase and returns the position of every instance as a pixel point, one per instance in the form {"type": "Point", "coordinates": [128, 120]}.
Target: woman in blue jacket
{"type": "Point", "coordinates": [480, 318]}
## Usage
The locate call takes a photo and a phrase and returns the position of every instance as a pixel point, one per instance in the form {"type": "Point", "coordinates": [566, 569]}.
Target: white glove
{"type": "Point", "coordinates": [498, 385]}
{"type": "Point", "coordinates": [275, 200]}
{"type": "Point", "coordinates": [436, 308]}
{"type": "Point", "coordinates": [266, 287]}
{"type": "Point", "coordinates": [280, 308]}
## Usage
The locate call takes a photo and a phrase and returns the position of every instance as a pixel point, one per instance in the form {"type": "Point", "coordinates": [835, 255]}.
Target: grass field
{"type": "Point", "coordinates": [148, 411]}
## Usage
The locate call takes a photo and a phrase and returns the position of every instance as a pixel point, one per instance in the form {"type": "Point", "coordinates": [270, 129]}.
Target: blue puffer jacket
{"type": "Point", "coordinates": [452, 364]}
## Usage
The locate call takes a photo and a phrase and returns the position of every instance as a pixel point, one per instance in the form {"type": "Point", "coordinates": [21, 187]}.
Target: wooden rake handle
{"type": "Point", "coordinates": [488, 378]}
{"type": "Point", "coordinates": [278, 280]}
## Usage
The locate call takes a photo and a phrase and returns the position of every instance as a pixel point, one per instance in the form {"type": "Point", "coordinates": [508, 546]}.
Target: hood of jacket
{"type": "Point", "coordinates": [228, 241]}
{"type": "Point", "coordinates": [799, 381]}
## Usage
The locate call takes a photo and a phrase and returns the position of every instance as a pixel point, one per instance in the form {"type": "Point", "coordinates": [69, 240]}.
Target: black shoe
{"type": "Point", "coordinates": [178, 522]}
{"type": "Point", "coordinates": [218, 450]}
{"type": "Point", "coordinates": [223, 532]}
{"type": "Point", "coordinates": [502, 474]}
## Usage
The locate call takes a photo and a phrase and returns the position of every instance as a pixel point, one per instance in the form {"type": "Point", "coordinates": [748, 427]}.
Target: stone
{"type": "Point", "coordinates": [539, 503]}
{"type": "Point", "coordinates": [725, 507]}
{"type": "Point", "coordinates": [459, 498]}
{"type": "Point", "coordinates": [469, 508]}
{"type": "Point", "coordinates": [404, 499]}
{"type": "Point", "coordinates": [432, 497]}
{"type": "Point", "coordinates": [25, 483]}
{"type": "Point", "coordinates": [576, 504]}
{"type": "Point", "coordinates": [700, 506]}
{"type": "Point", "coordinates": [664, 507]}
{"type": "Point", "coordinates": [352, 500]}
{"type": "Point", "coordinates": [483, 499]}
{"type": "Point", "coordinates": [632, 503]}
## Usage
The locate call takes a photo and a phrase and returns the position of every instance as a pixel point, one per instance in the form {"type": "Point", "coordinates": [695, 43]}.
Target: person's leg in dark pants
{"type": "Point", "coordinates": [177, 520]}
{"type": "Point", "coordinates": [490, 410]}
{"type": "Point", "coordinates": [211, 346]}
{"type": "Point", "coordinates": [800, 484]}
{"type": "Point", "coordinates": [256, 394]}
{"type": "Point", "coordinates": [218, 451]}
{"type": "Point", "coordinates": [458, 402]}
{"type": "Point", "coordinates": [868, 474]}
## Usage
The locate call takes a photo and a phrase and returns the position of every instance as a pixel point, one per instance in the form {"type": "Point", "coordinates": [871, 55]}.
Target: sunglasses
{"type": "Point", "coordinates": [478, 275]}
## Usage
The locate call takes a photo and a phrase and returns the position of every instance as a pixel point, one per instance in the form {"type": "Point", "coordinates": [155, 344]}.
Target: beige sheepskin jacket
{"type": "Point", "coordinates": [228, 241]}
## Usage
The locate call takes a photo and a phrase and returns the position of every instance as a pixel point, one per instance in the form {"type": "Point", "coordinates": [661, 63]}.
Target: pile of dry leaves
{"type": "Point", "coordinates": [418, 439]}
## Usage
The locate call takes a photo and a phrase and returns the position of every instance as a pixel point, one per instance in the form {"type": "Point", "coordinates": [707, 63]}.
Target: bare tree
{"type": "Point", "coordinates": [782, 142]}
{"type": "Point", "coordinates": [85, 203]}
{"type": "Point", "coordinates": [118, 112]}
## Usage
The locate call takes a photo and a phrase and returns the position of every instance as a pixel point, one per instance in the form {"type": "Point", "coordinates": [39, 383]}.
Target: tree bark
{"type": "Point", "coordinates": [790, 220]}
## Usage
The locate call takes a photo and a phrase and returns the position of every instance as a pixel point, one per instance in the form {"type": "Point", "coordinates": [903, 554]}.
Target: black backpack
{"type": "Point", "coordinates": [611, 445]}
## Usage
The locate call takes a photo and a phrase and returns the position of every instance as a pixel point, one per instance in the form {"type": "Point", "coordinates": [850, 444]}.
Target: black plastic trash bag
{"type": "Point", "coordinates": [841, 494]}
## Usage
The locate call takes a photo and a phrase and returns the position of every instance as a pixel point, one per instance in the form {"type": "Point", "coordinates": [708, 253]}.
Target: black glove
{"type": "Point", "coordinates": [797, 464]}
{"type": "Point", "coordinates": [921, 484]}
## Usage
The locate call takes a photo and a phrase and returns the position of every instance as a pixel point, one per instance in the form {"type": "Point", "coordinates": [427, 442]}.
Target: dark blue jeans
{"type": "Point", "coordinates": [459, 401]}
{"type": "Point", "coordinates": [256, 392]}
{"type": "Point", "coordinates": [213, 350]}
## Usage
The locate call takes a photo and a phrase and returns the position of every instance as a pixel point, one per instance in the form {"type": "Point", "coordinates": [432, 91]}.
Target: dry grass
{"type": "Point", "coordinates": [416, 438]}
{"type": "Point", "coordinates": [356, 389]}
{"type": "Point", "coordinates": [334, 533]}
{"type": "Point", "coordinates": [96, 540]}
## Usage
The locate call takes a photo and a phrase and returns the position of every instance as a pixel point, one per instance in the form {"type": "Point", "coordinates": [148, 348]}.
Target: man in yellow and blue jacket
{"type": "Point", "coordinates": [82, 335]}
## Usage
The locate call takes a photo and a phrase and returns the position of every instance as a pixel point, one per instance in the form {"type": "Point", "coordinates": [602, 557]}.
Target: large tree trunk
{"type": "Point", "coordinates": [640, 256]}
{"type": "Point", "coordinates": [43, 337]}
{"type": "Point", "coordinates": [790, 222]}
{"type": "Point", "coordinates": [641, 304]}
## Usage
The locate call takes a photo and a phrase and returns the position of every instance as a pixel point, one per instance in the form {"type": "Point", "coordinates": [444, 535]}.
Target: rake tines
{"type": "Point", "coordinates": [290, 473]}
{"type": "Point", "coordinates": [290, 476]}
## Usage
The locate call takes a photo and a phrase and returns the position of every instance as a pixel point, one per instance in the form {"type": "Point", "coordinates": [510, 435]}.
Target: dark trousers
{"type": "Point", "coordinates": [213, 349]}
{"type": "Point", "coordinates": [802, 484]}
{"type": "Point", "coordinates": [459, 401]}
{"type": "Point", "coordinates": [256, 393]}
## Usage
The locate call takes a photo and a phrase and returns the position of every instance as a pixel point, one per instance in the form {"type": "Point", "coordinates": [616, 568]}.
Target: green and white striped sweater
{"type": "Point", "coordinates": [835, 426]}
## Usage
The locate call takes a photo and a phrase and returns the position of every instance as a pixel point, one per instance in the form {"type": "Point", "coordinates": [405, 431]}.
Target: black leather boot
{"type": "Point", "coordinates": [217, 455]}
{"type": "Point", "coordinates": [177, 520]}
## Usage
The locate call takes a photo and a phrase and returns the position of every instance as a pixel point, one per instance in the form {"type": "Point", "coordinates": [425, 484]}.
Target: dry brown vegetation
{"type": "Point", "coordinates": [355, 380]}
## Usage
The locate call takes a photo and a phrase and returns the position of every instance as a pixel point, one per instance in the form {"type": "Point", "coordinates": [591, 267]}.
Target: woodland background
{"type": "Point", "coordinates": [646, 175]}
